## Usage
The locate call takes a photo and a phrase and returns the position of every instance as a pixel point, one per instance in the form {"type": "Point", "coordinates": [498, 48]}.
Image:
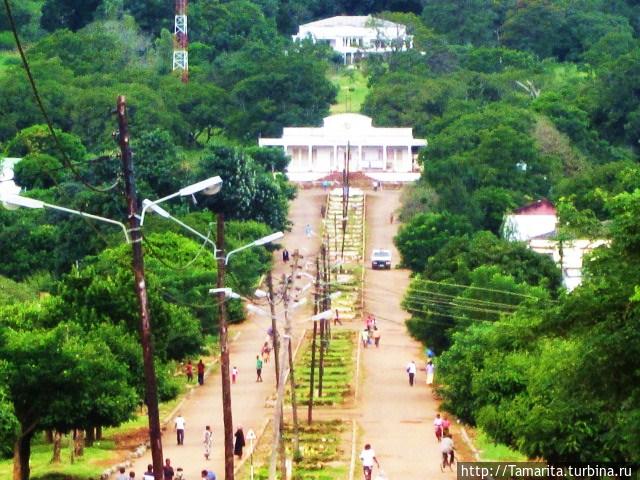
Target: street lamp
{"type": "Point", "coordinates": [210, 186]}
{"type": "Point", "coordinates": [228, 293]}
{"type": "Point", "coordinates": [261, 241]}
{"type": "Point", "coordinates": [13, 202]}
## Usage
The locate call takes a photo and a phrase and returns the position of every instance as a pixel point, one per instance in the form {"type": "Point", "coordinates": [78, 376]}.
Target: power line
{"type": "Point", "coordinates": [455, 305]}
{"type": "Point", "coordinates": [36, 94]}
{"type": "Point", "coordinates": [158, 256]}
{"type": "Point", "coordinates": [418, 293]}
{"type": "Point", "coordinates": [456, 285]}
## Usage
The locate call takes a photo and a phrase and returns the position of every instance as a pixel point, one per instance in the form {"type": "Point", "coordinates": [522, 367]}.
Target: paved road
{"type": "Point", "coordinates": [204, 406]}
{"type": "Point", "coordinates": [396, 419]}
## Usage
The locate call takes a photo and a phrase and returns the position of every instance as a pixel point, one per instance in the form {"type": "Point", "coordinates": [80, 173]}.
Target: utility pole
{"type": "Point", "coordinates": [151, 388]}
{"type": "Point", "coordinates": [322, 323]}
{"type": "Point", "coordinates": [224, 356]}
{"type": "Point", "coordinates": [287, 326]}
{"type": "Point", "coordinates": [274, 327]}
{"type": "Point", "coordinates": [316, 310]}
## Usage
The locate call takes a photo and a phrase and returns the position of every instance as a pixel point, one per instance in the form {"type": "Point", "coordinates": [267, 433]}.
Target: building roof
{"type": "Point", "coordinates": [346, 127]}
{"type": "Point", "coordinates": [356, 21]}
{"type": "Point", "coordinates": [539, 207]}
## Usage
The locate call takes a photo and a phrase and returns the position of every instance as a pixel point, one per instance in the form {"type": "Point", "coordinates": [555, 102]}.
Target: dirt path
{"type": "Point", "coordinates": [204, 405]}
{"type": "Point", "coordinates": [396, 419]}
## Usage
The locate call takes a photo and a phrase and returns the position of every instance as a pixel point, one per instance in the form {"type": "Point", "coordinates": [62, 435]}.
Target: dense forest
{"type": "Point", "coordinates": [519, 100]}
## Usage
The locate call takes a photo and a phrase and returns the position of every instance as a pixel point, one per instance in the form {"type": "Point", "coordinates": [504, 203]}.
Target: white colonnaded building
{"type": "Point", "coordinates": [354, 37]}
{"type": "Point", "coordinates": [384, 154]}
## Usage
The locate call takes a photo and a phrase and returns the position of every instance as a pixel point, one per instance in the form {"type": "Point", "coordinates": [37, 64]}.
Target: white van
{"type": "Point", "coordinates": [381, 259]}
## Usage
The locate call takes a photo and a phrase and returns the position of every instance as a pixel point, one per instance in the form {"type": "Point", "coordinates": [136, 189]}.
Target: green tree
{"type": "Point", "coordinates": [71, 14]}
{"type": "Point", "coordinates": [425, 234]}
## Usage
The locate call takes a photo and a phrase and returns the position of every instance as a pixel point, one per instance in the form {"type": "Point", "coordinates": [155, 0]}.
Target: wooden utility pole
{"type": "Point", "coordinates": [274, 327]}
{"type": "Point", "coordinates": [316, 310]}
{"type": "Point", "coordinates": [323, 324]}
{"type": "Point", "coordinates": [151, 388]}
{"type": "Point", "coordinates": [224, 356]}
{"type": "Point", "coordinates": [287, 326]}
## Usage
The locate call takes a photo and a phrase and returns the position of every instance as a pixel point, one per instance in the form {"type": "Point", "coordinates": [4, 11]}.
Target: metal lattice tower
{"type": "Point", "coordinates": [181, 40]}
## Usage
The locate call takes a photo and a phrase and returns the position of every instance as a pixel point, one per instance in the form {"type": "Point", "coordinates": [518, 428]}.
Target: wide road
{"type": "Point", "coordinates": [396, 419]}
{"type": "Point", "coordinates": [204, 405]}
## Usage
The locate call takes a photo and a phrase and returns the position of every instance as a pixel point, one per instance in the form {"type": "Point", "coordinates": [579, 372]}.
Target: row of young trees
{"type": "Point", "coordinates": [519, 101]}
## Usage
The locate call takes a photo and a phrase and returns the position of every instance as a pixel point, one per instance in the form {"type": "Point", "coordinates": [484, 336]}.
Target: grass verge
{"type": "Point", "coordinates": [352, 90]}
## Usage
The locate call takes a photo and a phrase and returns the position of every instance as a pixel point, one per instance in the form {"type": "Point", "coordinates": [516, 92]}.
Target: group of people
{"type": "Point", "coordinates": [168, 473]}
{"type": "Point", "coordinates": [188, 370]}
{"type": "Point", "coordinates": [370, 335]}
{"type": "Point", "coordinates": [441, 426]}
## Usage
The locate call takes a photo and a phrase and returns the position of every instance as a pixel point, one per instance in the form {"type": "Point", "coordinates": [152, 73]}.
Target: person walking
{"type": "Point", "coordinates": [411, 370]}
{"type": "Point", "coordinates": [180, 474]}
{"type": "Point", "coordinates": [148, 475]}
{"type": "Point", "coordinates": [121, 474]}
{"type": "Point", "coordinates": [189, 371]}
{"type": "Point", "coordinates": [240, 443]}
{"type": "Point", "coordinates": [200, 372]}
{"type": "Point", "coordinates": [364, 336]}
{"type": "Point", "coordinates": [285, 255]}
{"type": "Point", "coordinates": [437, 427]}
{"type": "Point", "coordinates": [132, 475]}
{"type": "Point", "coordinates": [208, 475]}
{"type": "Point", "coordinates": [167, 470]}
{"type": "Point", "coordinates": [234, 374]}
{"type": "Point", "coordinates": [266, 352]}
{"type": "Point", "coordinates": [447, 449]}
{"type": "Point", "coordinates": [368, 458]}
{"type": "Point", "coordinates": [336, 319]}
{"type": "Point", "coordinates": [207, 441]}
{"type": "Point", "coordinates": [430, 368]}
{"type": "Point", "coordinates": [446, 425]}
{"type": "Point", "coordinates": [179, 426]}
{"type": "Point", "coordinates": [258, 368]}
{"type": "Point", "coordinates": [307, 230]}
{"type": "Point", "coordinates": [376, 336]}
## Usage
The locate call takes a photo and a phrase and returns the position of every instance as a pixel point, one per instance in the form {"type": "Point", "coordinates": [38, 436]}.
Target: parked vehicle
{"type": "Point", "coordinates": [381, 259]}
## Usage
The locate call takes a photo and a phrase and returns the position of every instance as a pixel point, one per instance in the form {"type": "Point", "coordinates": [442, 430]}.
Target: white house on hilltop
{"type": "Point", "coordinates": [7, 185]}
{"type": "Point", "coordinates": [385, 154]}
{"type": "Point", "coordinates": [354, 37]}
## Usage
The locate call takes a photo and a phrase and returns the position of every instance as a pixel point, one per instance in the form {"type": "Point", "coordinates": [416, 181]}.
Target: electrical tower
{"type": "Point", "coordinates": [181, 40]}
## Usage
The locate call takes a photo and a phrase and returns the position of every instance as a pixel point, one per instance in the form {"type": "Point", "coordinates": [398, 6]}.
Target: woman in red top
{"type": "Point", "coordinates": [201, 372]}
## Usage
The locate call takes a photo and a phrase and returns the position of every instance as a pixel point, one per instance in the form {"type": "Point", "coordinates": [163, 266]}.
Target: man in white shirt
{"type": "Point", "coordinates": [180, 424]}
{"type": "Point", "coordinates": [411, 370]}
{"type": "Point", "coordinates": [447, 448]}
{"type": "Point", "coordinates": [368, 457]}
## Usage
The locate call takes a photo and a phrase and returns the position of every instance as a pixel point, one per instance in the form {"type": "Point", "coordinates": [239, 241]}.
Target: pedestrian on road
{"type": "Point", "coordinates": [446, 424]}
{"type": "Point", "coordinates": [208, 475]}
{"type": "Point", "coordinates": [411, 370]}
{"type": "Point", "coordinates": [364, 336]}
{"type": "Point", "coordinates": [391, 218]}
{"type": "Point", "coordinates": [240, 443]}
{"type": "Point", "coordinates": [207, 441]}
{"type": "Point", "coordinates": [447, 449]}
{"type": "Point", "coordinates": [179, 474]}
{"type": "Point", "coordinates": [258, 368]}
{"type": "Point", "coordinates": [148, 475]}
{"type": "Point", "coordinates": [234, 374]}
{"type": "Point", "coordinates": [368, 457]}
{"type": "Point", "coordinates": [336, 319]}
{"type": "Point", "coordinates": [189, 371]}
{"type": "Point", "coordinates": [430, 368]}
{"type": "Point", "coordinates": [437, 427]}
{"type": "Point", "coordinates": [168, 470]}
{"type": "Point", "coordinates": [307, 230]}
{"type": "Point", "coordinates": [285, 255]}
{"type": "Point", "coordinates": [132, 475]}
{"type": "Point", "coordinates": [266, 352]}
{"type": "Point", "coordinates": [179, 425]}
{"type": "Point", "coordinates": [122, 475]}
{"type": "Point", "coordinates": [376, 336]}
{"type": "Point", "coordinates": [200, 372]}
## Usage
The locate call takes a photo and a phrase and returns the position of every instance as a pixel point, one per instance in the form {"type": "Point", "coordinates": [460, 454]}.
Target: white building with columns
{"type": "Point", "coordinates": [354, 37]}
{"type": "Point", "coordinates": [386, 154]}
